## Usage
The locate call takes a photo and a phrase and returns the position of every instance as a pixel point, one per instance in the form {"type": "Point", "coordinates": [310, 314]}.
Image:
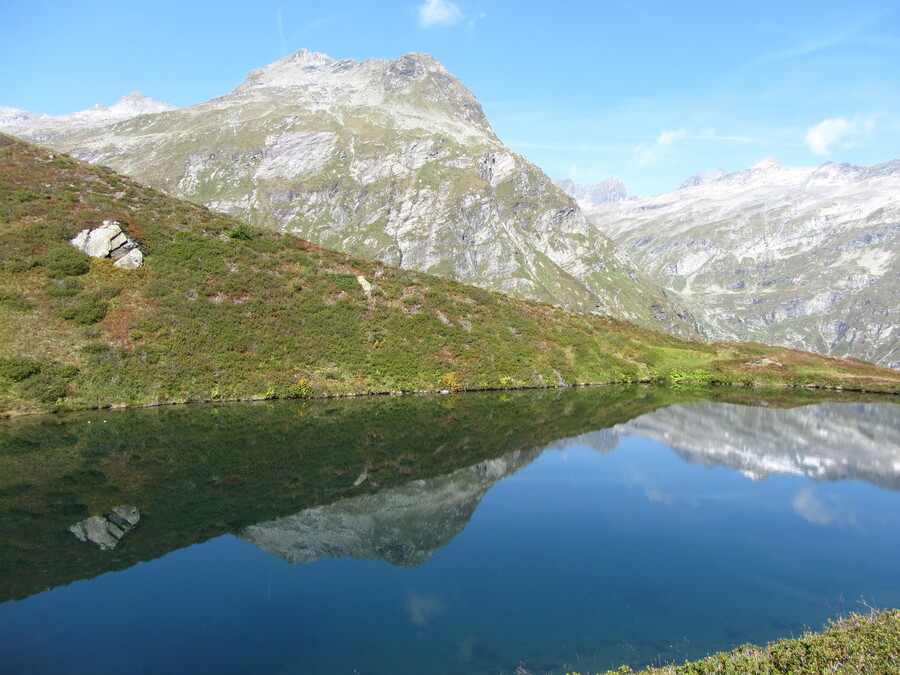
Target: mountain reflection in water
{"type": "Point", "coordinates": [460, 495]}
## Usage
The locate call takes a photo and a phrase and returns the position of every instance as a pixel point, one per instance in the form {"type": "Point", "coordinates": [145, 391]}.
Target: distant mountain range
{"type": "Point", "coordinates": [826, 442]}
{"type": "Point", "coordinates": [800, 257]}
{"type": "Point", "coordinates": [607, 191]}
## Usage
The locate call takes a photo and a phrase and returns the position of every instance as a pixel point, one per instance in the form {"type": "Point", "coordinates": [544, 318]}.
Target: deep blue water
{"type": "Point", "coordinates": [579, 560]}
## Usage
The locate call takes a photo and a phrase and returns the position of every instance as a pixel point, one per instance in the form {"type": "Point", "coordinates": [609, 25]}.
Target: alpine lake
{"type": "Point", "coordinates": [539, 531]}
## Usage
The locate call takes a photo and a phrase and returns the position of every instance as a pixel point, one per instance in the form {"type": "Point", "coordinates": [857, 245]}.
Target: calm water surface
{"type": "Point", "coordinates": [469, 534]}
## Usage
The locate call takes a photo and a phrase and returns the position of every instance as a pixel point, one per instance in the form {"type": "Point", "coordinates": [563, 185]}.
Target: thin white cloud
{"type": "Point", "coordinates": [280, 21]}
{"type": "Point", "coordinates": [837, 131]}
{"type": "Point", "coordinates": [439, 13]}
{"type": "Point", "coordinates": [423, 607]}
{"type": "Point", "coordinates": [855, 31]}
{"type": "Point", "coordinates": [803, 49]}
{"type": "Point", "coordinates": [565, 147]}
{"type": "Point", "coordinates": [648, 153]}
{"type": "Point", "coordinates": [659, 497]}
{"type": "Point", "coordinates": [809, 507]}
{"type": "Point", "coordinates": [669, 137]}
{"type": "Point", "coordinates": [711, 135]}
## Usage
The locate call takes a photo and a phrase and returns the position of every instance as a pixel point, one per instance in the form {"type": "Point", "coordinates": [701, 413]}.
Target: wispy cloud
{"type": "Point", "coordinates": [280, 21]}
{"type": "Point", "coordinates": [564, 147]}
{"type": "Point", "coordinates": [711, 135]}
{"type": "Point", "coordinates": [423, 607]}
{"type": "Point", "coordinates": [470, 24]}
{"type": "Point", "coordinates": [439, 13]}
{"type": "Point", "coordinates": [318, 24]}
{"type": "Point", "coordinates": [656, 496]}
{"type": "Point", "coordinates": [803, 49]}
{"type": "Point", "coordinates": [648, 153]}
{"type": "Point", "coordinates": [853, 31]}
{"type": "Point", "coordinates": [809, 507]}
{"type": "Point", "coordinates": [838, 131]}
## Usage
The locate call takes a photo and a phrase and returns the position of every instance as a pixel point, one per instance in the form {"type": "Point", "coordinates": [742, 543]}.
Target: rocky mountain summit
{"type": "Point", "coordinates": [800, 257]}
{"type": "Point", "coordinates": [386, 159]}
{"type": "Point", "coordinates": [607, 191]}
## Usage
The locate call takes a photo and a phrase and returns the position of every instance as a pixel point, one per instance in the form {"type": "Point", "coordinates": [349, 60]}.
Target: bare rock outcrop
{"type": "Point", "coordinates": [108, 241]}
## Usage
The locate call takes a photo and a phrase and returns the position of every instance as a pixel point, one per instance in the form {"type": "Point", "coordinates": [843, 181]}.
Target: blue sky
{"type": "Point", "coordinates": [651, 92]}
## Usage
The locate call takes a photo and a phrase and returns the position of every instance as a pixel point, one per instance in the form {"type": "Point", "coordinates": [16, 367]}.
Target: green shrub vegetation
{"type": "Point", "coordinates": [862, 644]}
{"type": "Point", "coordinates": [241, 231]}
{"type": "Point", "coordinates": [224, 311]}
{"type": "Point", "coordinates": [64, 260]}
{"type": "Point", "coordinates": [17, 369]}
{"type": "Point", "coordinates": [15, 301]}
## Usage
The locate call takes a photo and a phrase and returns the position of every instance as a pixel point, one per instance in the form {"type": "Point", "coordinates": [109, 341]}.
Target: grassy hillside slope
{"type": "Point", "coordinates": [222, 311]}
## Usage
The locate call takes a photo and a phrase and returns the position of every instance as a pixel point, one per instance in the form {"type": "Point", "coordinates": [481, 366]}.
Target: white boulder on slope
{"type": "Point", "coordinates": [108, 241]}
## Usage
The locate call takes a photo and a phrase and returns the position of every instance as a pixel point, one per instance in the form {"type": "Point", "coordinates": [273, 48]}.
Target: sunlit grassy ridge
{"type": "Point", "coordinates": [223, 311]}
{"type": "Point", "coordinates": [862, 644]}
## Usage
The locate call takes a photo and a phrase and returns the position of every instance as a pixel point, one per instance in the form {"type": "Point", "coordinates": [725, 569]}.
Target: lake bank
{"type": "Point", "coordinates": [712, 391]}
{"type": "Point", "coordinates": [861, 643]}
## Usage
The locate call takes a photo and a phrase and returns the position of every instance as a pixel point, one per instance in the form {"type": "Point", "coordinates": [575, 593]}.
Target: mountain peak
{"type": "Point", "coordinates": [416, 65]}
{"type": "Point", "coordinates": [12, 116]}
{"type": "Point", "coordinates": [306, 67]}
{"type": "Point", "coordinates": [137, 103]}
{"type": "Point", "coordinates": [374, 83]}
{"type": "Point", "coordinates": [767, 163]}
{"type": "Point", "coordinates": [703, 178]}
{"type": "Point", "coordinates": [606, 191]}
{"type": "Point", "coordinates": [305, 58]}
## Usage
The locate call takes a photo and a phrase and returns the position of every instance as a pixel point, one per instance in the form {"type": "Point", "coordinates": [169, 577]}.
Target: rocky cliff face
{"type": "Point", "coordinates": [800, 257]}
{"type": "Point", "coordinates": [825, 442]}
{"type": "Point", "coordinates": [403, 526]}
{"type": "Point", "coordinates": [392, 160]}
